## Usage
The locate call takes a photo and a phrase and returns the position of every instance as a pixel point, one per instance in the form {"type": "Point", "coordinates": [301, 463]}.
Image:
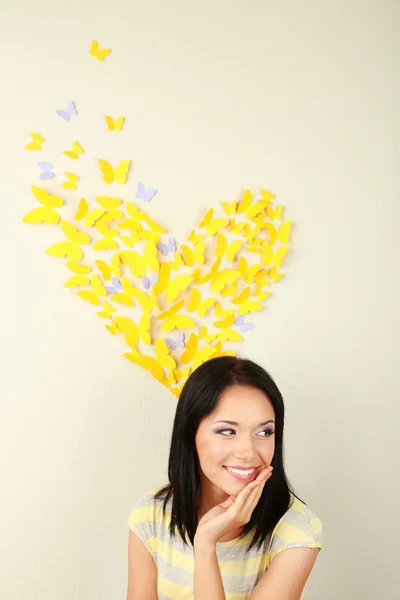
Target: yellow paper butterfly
{"type": "Point", "coordinates": [73, 235]}
{"type": "Point", "coordinates": [190, 256]}
{"type": "Point", "coordinates": [75, 152]}
{"type": "Point", "coordinates": [70, 183]}
{"type": "Point", "coordinates": [37, 141]}
{"type": "Point", "coordinates": [120, 172]}
{"type": "Point", "coordinates": [229, 209]}
{"type": "Point", "coordinates": [99, 54]}
{"type": "Point", "coordinates": [45, 198]}
{"type": "Point", "coordinates": [116, 124]}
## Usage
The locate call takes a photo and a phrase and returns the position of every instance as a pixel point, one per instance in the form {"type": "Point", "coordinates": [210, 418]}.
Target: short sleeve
{"type": "Point", "coordinates": [298, 528]}
{"type": "Point", "coordinates": [141, 522]}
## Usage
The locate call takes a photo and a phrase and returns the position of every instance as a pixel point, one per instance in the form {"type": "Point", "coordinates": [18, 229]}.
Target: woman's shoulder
{"type": "Point", "coordinates": [147, 507]}
{"type": "Point", "coordinates": [147, 518]}
{"type": "Point", "coordinates": [299, 527]}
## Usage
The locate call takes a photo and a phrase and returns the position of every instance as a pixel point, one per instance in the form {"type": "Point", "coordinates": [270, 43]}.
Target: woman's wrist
{"type": "Point", "coordinates": [203, 542]}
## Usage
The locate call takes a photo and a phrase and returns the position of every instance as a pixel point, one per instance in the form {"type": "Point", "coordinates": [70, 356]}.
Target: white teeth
{"type": "Point", "coordinates": [240, 472]}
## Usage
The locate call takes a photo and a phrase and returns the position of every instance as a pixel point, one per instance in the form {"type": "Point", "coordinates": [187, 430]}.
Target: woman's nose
{"type": "Point", "coordinates": [244, 449]}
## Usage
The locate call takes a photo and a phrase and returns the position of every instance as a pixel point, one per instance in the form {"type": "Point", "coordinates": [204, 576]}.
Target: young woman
{"type": "Point", "coordinates": [218, 530]}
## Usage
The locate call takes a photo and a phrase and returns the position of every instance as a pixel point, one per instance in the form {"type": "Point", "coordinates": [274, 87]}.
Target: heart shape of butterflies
{"type": "Point", "coordinates": [174, 306]}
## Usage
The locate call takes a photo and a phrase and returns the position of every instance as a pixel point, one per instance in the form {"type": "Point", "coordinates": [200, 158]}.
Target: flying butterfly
{"type": "Point", "coordinates": [146, 195]}
{"type": "Point", "coordinates": [119, 174]}
{"type": "Point", "coordinates": [116, 124]}
{"type": "Point", "coordinates": [47, 169]}
{"type": "Point", "coordinates": [97, 52]}
{"type": "Point", "coordinates": [37, 142]}
{"type": "Point", "coordinates": [69, 112]}
{"type": "Point", "coordinates": [166, 248]}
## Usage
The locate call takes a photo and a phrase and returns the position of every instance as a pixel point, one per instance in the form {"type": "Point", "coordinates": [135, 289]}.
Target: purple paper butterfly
{"type": "Point", "coordinates": [70, 112]}
{"type": "Point", "coordinates": [47, 169]}
{"type": "Point", "coordinates": [174, 344]}
{"type": "Point", "coordinates": [147, 195]}
{"type": "Point", "coordinates": [148, 282]}
{"type": "Point", "coordinates": [116, 286]}
{"type": "Point", "coordinates": [242, 325]}
{"type": "Point", "coordinates": [166, 248]}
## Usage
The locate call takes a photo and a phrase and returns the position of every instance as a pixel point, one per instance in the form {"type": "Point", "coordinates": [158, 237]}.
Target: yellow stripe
{"type": "Point", "coordinates": [316, 524]}
{"type": "Point", "coordinates": [291, 533]}
{"type": "Point", "coordinates": [229, 568]}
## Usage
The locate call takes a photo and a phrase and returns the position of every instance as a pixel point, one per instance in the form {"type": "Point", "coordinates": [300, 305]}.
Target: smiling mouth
{"type": "Point", "coordinates": [241, 474]}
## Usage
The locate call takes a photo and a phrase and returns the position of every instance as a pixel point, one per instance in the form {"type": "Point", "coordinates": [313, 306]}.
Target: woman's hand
{"type": "Point", "coordinates": [235, 512]}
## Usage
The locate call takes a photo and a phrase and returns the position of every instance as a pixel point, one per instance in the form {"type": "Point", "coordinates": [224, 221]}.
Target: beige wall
{"type": "Point", "coordinates": [298, 97]}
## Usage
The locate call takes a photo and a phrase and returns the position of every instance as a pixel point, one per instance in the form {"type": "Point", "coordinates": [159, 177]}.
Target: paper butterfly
{"type": "Point", "coordinates": [47, 169]}
{"type": "Point", "coordinates": [37, 141]}
{"type": "Point", "coordinates": [165, 249]}
{"type": "Point", "coordinates": [174, 344]}
{"type": "Point", "coordinates": [149, 282]}
{"type": "Point", "coordinates": [70, 183]}
{"type": "Point", "coordinates": [99, 54]}
{"type": "Point", "coordinates": [147, 195]}
{"type": "Point", "coordinates": [116, 286]}
{"type": "Point", "coordinates": [117, 124]}
{"type": "Point", "coordinates": [242, 325]}
{"type": "Point", "coordinates": [75, 152]}
{"type": "Point", "coordinates": [70, 112]}
{"type": "Point", "coordinates": [120, 172]}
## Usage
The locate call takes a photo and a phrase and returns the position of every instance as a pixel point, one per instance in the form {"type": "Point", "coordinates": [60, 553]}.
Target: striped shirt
{"type": "Point", "coordinates": [240, 571]}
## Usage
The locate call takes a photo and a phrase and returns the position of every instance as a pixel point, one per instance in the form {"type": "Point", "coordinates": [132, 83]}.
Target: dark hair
{"type": "Point", "coordinates": [199, 397]}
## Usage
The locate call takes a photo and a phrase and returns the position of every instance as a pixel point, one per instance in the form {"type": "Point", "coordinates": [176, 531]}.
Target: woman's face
{"type": "Point", "coordinates": [247, 443]}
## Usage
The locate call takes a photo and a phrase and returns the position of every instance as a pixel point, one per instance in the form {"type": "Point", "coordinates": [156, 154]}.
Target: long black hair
{"type": "Point", "coordinates": [198, 398]}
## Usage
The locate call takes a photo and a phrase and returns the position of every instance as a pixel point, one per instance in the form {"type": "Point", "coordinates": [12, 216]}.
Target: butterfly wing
{"type": "Point", "coordinates": [71, 109]}
{"type": "Point", "coordinates": [45, 166]}
{"type": "Point", "coordinates": [140, 190]}
{"type": "Point", "coordinates": [246, 327]}
{"type": "Point", "coordinates": [103, 53]}
{"type": "Point", "coordinates": [82, 209]}
{"type": "Point", "coordinates": [94, 48]}
{"type": "Point", "coordinates": [107, 170]}
{"type": "Point", "coordinates": [148, 194]}
{"type": "Point", "coordinates": [47, 175]}
{"type": "Point", "coordinates": [110, 122]}
{"type": "Point", "coordinates": [64, 114]}
{"type": "Point", "coordinates": [116, 283]}
{"type": "Point", "coordinates": [121, 171]}
{"type": "Point", "coordinates": [171, 343]}
{"type": "Point", "coordinates": [172, 245]}
{"type": "Point", "coordinates": [119, 123]}
{"type": "Point", "coordinates": [163, 248]}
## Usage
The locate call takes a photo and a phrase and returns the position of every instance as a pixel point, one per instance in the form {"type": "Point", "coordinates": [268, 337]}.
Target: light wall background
{"type": "Point", "coordinates": [299, 97]}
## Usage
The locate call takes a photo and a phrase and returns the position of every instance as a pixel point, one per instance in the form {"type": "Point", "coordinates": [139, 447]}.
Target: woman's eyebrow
{"type": "Point", "coordinates": [236, 423]}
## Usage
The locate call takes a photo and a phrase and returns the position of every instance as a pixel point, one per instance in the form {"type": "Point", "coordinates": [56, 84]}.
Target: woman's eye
{"type": "Point", "coordinates": [267, 432]}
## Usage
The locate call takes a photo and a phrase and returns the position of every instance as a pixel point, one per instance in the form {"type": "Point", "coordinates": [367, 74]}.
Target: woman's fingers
{"type": "Point", "coordinates": [251, 494]}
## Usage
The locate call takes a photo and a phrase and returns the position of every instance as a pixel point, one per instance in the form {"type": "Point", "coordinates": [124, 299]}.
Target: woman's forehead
{"type": "Point", "coordinates": [243, 404]}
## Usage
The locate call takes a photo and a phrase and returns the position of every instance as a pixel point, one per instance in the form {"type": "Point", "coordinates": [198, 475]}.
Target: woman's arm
{"type": "Point", "coordinates": [142, 571]}
{"type": "Point", "coordinates": [286, 576]}
{"type": "Point", "coordinates": [207, 576]}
